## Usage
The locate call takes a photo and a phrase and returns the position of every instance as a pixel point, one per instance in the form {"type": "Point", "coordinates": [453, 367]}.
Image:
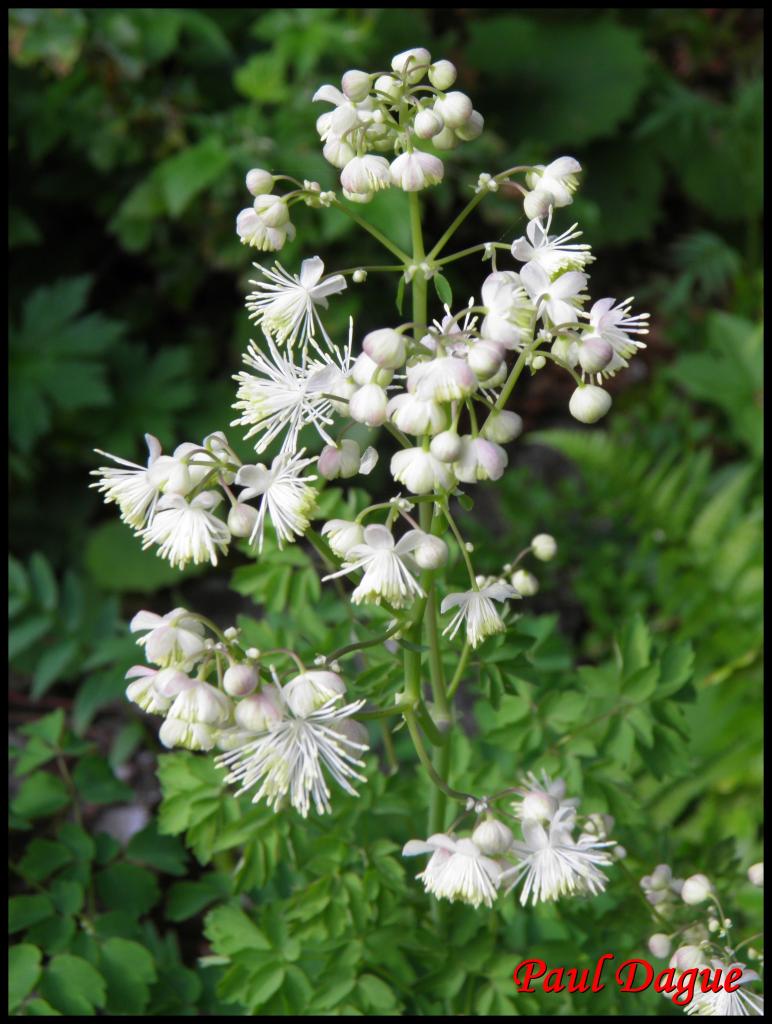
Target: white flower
{"type": "Point", "coordinates": [480, 459]}
{"type": "Point", "coordinates": [415, 415]}
{"type": "Point", "coordinates": [756, 874]}
{"type": "Point", "coordinates": [552, 864]}
{"type": "Point", "coordinates": [310, 691]}
{"type": "Point", "coordinates": [493, 837]}
{"type": "Point", "coordinates": [253, 230]}
{"type": "Point", "coordinates": [284, 396]}
{"type": "Point", "coordinates": [421, 472]}
{"type": "Point", "coordinates": [366, 174]}
{"type": "Point", "coordinates": [143, 693]}
{"type": "Point", "coordinates": [412, 64]}
{"type": "Point", "coordinates": [135, 489]}
{"type": "Point", "coordinates": [386, 565]}
{"type": "Point", "coordinates": [557, 180]}
{"type": "Point", "coordinates": [340, 460]}
{"type": "Point", "coordinates": [287, 759]}
{"type": "Point", "coordinates": [186, 530]}
{"type": "Point", "coordinates": [342, 535]}
{"type": "Point", "coordinates": [171, 639]}
{"type": "Point", "coordinates": [257, 713]}
{"type": "Point", "coordinates": [542, 798]}
{"type": "Point", "coordinates": [457, 870]}
{"type": "Point", "coordinates": [414, 171]}
{"type": "Point", "coordinates": [728, 1004]}
{"type": "Point", "coordinates": [552, 252]}
{"type": "Point", "coordinates": [696, 889]}
{"type": "Point", "coordinates": [509, 307]}
{"type": "Point", "coordinates": [198, 710]}
{"type": "Point", "coordinates": [287, 499]}
{"type": "Point", "coordinates": [614, 324]}
{"type": "Point", "coordinates": [368, 405]}
{"type": "Point", "coordinates": [561, 298]}
{"type": "Point", "coordinates": [476, 609]}
{"type": "Point", "coordinates": [285, 305]}
{"type": "Point", "coordinates": [441, 380]}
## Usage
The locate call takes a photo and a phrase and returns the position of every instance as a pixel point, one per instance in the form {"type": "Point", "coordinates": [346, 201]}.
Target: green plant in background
{"type": "Point", "coordinates": [140, 90]}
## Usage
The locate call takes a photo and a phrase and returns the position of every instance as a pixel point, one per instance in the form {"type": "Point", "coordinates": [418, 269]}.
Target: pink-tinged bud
{"type": "Point", "coordinates": [756, 874]}
{"type": "Point", "coordinates": [544, 547]}
{"type": "Point", "coordinates": [368, 405]}
{"type": "Point", "coordinates": [239, 680]}
{"type": "Point", "coordinates": [446, 446]}
{"type": "Point", "coordinates": [445, 139]}
{"type": "Point", "coordinates": [385, 347]}
{"type": "Point", "coordinates": [312, 690]}
{"type": "Point", "coordinates": [342, 535]}
{"type": "Point", "coordinates": [414, 415]}
{"type": "Point", "coordinates": [687, 958]}
{"type": "Point", "coordinates": [442, 74]}
{"type": "Point", "coordinates": [696, 889]}
{"type": "Point", "coordinates": [389, 86]}
{"type": "Point", "coordinates": [493, 837]}
{"type": "Point", "coordinates": [366, 174]}
{"type": "Point", "coordinates": [595, 354]}
{"type": "Point", "coordinates": [242, 519]}
{"type": "Point", "coordinates": [413, 64]}
{"type": "Point", "coordinates": [339, 460]}
{"type": "Point", "coordinates": [502, 426]}
{"type": "Point", "coordinates": [427, 124]}
{"type": "Point", "coordinates": [260, 711]}
{"type": "Point", "coordinates": [473, 128]}
{"type": "Point", "coordinates": [659, 945]}
{"type": "Point", "coordinates": [525, 583]}
{"type": "Point", "coordinates": [355, 85]}
{"type": "Point", "coordinates": [259, 182]}
{"type": "Point", "coordinates": [480, 460]}
{"type": "Point", "coordinates": [337, 152]}
{"type": "Point", "coordinates": [431, 552]}
{"type": "Point", "coordinates": [484, 358]}
{"type": "Point", "coordinates": [589, 403]}
{"type": "Point", "coordinates": [455, 109]}
{"type": "Point", "coordinates": [414, 171]}
{"type": "Point", "coordinates": [272, 210]}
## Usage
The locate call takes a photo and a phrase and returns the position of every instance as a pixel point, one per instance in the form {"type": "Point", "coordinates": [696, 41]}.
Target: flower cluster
{"type": "Point", "coordinates": [701, 945]}
{"type": "Point", "coordinates": [277, 737]}
{"type": "Point", "coordinates": [550, 860]}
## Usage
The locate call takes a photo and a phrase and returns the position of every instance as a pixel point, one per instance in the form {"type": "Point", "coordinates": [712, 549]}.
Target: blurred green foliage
{"type": "Point", "coordinates": [130, 133]}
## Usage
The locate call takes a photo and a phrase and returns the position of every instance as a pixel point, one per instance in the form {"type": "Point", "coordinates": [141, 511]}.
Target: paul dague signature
{"type": "Point", "coordinates": [630, 976]}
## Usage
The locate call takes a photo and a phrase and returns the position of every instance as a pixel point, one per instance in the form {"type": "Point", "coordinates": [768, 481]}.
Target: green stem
{"type": "Point", "coordinates": [350, 648]}
{"type": "Point", "coordinates": [394, 249]}
{"type": "Point", "coordinates": [456, 224]}
{"type": "Point", "coordinates": [423, 757]}
{"type": "Point", "coordinates": [460, 669]}
{"type": "Point", "coordinates": [462, 546]}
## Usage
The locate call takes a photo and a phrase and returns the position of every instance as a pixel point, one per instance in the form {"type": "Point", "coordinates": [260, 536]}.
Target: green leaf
{"type": "Point", "coordinates": [129, 970]}
{"type": "Point", "coordinates": [40, 795]}
{"type": "Point", "coordinates": [72, 986]}
{"type": "Point", "coordinates": [42, 857]}
{"type": "Point", "coordinates": [635, 645]}
{"type": "Point", "coordinates": [376, 994]}
{"type": "Point", "coordinates": [97, 784]}
{"type": "Point", "coordinates": [127, 887]}
{"type": "Point", "coordinates": [165, 853]}
{"type": "Point", "coordinates": [229, 930]}
{"type": "Point", "coordinates": [24, 911]}
{"type": "Point", "coordinates": [641, 684]}
{"type": "Point", "coordinates": [263, 78]}
{"type": "Point", "coordinates": [185, 174]}
{"type": "Point", "coordinates": [116, 562]}
{"type": "Point", "coordinates": [23, 973]}
{"type": "Point", "coordinates": [67, 896]}
{"type": "Point", "coordinates": [188, 898]}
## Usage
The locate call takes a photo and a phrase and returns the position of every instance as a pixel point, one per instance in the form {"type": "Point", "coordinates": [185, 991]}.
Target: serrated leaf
{"type": "Point", "coordinates": [23, 973]}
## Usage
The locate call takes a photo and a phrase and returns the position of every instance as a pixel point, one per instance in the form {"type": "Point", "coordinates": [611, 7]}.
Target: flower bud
{"type": "Point", "coordinates": [201, 703]}
{"type": "Point", "coordinates": [312, 690]}
{"type": "Point", "coordinates": [431, 552]}
{"type": "Point", "coordinates": [525, 583]}
{"type": "Point", "coordinates": [355, 732]}
{"type": "Point", "coordinates": [386, 347]}
{"type": "Point", "coordinates": [366, 174]}
{"type": "Point", "coordinates": [413, 171]}
{"type": "Point", "coordinates": [537, 204]}
{"type": "Point", "coordinates": [272, 210]}
{"type": "Point", "coordinates": [538, 806]}
{"type": "Point", "coordinates": [389, 86]}
{"type": "Point", "coordinates": [446, 446]}
{"type": "Point", "coordinates": [143, 692]}
{"type": "Point", "coordinates": [544, 547]}
{"type": "Point", "coordinates": [242, 519]}
{"type": "Point", "coordinates": [342, 535]}
{"type": "Point", "coordinates": [442, 74]}
{"type": "Point", "coordinates": [565, 349]}
{"type": "Point", "coordinates": [259, 182]}
{"type": "Point", "coordinates": [413, 64]}
{"type": "Point", "coordinates": [484, 359]}
{"type": "Point", "coordinates": [170, 681]}
{"type": "Point", "coordinates": [420, 472]}
{"type": "Point", "coordinates": [415, 415]}
{"type": "Point", "coordinates": [696, 889]}
{"type": "Point", "coordinates": [473, 128]}
{"type": "Point", "coordinates": [589, 403]}
{"type": "Point", "coordinates": [239, 680]}
{"type": "Point", "coordinates": [595, 354]}
{"type": "Point", "coordinates": [659, 945]}
{"type": "Point", "coordinates": [359, 276]}
{"type": "Point", "coordinates": [756, 874]}
{"type": "Point", "coordinates": [355, 85]}
{"type": "Point", "coordinates": [337, 152]}
{"type": "Point", "coordinates": [455, 109]}
{"type": "Point", "coordinates": [343, 120]}
{"type": "Point", "coordinates": [427, 124]}
{"type": "Point", "coordinates": [260, 711]}
{"type": "Point", "coordinates": [364, 369]}
{"type": "Point", "coordinates": [445, 139]}
{"type": "Point", "coordinates": [687, 958]}
{"type": "Point", "coordinates": [368, 405]}
{"type": "Point", "coordinates": [480, 460]}
{"type": "Point", "coordinates": [192, 735]}
{"type": "Point", "coordinates": [502, 426]}
{"type": "Point", "coordinates": [493, 837]}
{"type": "Point", "coordinates": [538, 362]}
{"type": "Point", "coordinates": [339, 460]}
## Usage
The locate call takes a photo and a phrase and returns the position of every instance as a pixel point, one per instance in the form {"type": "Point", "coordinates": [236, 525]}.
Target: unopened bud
{"type": "Point", "coordinates": [544, 547]}
{"type": "Point", "coordinates": [455, 109]}
{"type": "Point", "coordinates": [492, 837]}
{"type": "Point", "coordinates": [525, 583]}
{"type": "Point", "coordinates": [595, 354]}
{"type": "Point", "coordinates": [589, 403]}
{"type": "Point", "coordinates": [431, 552]}
{"type": "Point", "coordinates": [355, 85]}
{"type": "Point", "coordinates": [428, 124]}
{"type": "Point", "coordinates": [239, 680]}
{"type": "Point", "coordinates": [659, 945]}
{"type": "Point", "coordinates": [756, 874]}
{"type": "Point", "coordinates": [442, 74]}
{"type": "Point", "coordinates": [259, 182]}
{"type": "Point", "coordinates": [696, 889]}
{"type": "Point", "coordinates": [242, 519]}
